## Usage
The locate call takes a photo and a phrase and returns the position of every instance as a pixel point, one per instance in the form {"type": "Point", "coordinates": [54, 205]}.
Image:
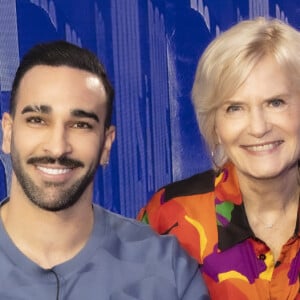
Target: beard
{"type": "Point", "coordinates": [53, 196]}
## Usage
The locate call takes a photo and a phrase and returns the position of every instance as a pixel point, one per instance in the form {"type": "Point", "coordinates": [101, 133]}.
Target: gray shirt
{"type": "Point", "coordinates": [123, 259]}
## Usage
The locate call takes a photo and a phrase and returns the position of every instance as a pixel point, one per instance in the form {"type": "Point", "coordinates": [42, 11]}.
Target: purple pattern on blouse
{"type": "Point", "coordinates": [241, 258]}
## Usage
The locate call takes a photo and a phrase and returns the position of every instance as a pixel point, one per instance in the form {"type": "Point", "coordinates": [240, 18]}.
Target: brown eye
{"type": "Point", "coordinates": [35, 120]}
{"type": "Point", "coordinates": [82, 125]}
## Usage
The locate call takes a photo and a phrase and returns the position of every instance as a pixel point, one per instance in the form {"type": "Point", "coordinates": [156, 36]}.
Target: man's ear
{"type": "Point", "coordinates": [110, 135]}
{"type": "Point", "coordinates": [7, 124]}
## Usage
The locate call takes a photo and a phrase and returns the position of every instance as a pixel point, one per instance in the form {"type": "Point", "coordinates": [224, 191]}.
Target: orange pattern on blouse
{"type": "Point", "coordinates": [207, 215]}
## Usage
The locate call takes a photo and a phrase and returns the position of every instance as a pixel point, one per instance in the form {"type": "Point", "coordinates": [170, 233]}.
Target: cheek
{"type": "Point", "coordinates": [223, 132]}
{"type": "Point", "coordinates": [89, 149]}
{"type": "Point", "coordinates": [222, 125]}
{"type": "Point", "coordinates": [229, 130]}
{"type": "Point", "coordinates": [289, 126]}
{"type": "Point", "coordinates": [26, 139]}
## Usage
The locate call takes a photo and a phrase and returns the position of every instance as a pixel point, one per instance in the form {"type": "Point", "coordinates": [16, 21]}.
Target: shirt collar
{"type": "Point", "coordinates": [232, 222]}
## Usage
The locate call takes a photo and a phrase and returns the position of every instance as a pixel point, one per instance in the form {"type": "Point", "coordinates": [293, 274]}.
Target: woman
{"type": "Point", "coordinates": [241, 220]}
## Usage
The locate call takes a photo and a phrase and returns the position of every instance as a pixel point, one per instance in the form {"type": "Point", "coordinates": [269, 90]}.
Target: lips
{"type": "Point", "coordinates": [54, 171]}
{"type": "Point", "coordinates": [263, 147]}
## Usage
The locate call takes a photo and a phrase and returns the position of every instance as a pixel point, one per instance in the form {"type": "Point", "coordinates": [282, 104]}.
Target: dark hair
{"type": "Point", "coordinates": [62, 53]}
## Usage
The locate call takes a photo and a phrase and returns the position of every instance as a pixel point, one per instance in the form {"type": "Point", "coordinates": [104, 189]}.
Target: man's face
{"type": "Point", "coordinates": [57, 137]}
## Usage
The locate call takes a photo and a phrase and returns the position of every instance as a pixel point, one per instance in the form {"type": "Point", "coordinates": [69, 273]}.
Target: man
{"type": "Point", "coordinates": [56, 244]}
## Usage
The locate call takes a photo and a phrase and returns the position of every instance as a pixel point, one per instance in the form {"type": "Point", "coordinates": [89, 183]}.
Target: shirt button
{"type": "Point", "coordinates": [262, 256]}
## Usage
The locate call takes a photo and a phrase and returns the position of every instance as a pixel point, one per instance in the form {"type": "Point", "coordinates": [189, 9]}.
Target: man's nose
{"type": "Point", "coordinates": [57, 141]}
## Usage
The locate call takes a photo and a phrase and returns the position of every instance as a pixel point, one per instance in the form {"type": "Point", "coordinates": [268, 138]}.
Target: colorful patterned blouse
{"type": "Point", "coordinates": [208, 217]}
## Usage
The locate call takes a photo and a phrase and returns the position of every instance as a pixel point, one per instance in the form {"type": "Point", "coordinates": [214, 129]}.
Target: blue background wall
{"type": "Point", "coordinates": [150, 49]}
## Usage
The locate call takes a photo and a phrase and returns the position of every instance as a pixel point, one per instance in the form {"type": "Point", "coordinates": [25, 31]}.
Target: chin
{"type": "Point", "coordinates": [265, 174]}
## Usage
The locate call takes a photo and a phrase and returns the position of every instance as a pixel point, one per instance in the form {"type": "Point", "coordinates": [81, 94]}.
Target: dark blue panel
{"type": "Point", "coordinates": [150, 49]}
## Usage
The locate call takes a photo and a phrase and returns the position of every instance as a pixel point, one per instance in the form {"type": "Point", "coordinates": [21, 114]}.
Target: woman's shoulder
{"type": "Point", "coordinates": [200, 183]}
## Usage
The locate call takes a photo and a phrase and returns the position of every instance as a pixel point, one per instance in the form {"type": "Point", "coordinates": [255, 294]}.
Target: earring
{"type": "Point", "coordinates": [218, 157]}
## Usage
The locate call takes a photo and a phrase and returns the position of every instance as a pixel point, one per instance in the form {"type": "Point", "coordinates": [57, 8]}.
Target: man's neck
{"type": "Point", "coordinates": [47, 238]}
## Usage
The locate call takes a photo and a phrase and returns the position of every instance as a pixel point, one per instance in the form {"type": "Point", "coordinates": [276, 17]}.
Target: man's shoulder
{"type": "Point", "coordinates": [125, 227]}
{"type": "Point", "coordinates": [134, 253]}
{"type": "Point", "coordinates": [200, 183]}
{"type": "Point", "coordinates": [137, 236]}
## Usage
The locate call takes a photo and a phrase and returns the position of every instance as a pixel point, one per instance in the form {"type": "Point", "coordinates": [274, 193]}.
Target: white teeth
{"type": "Point", "coordinates": [262, 147]}
{"type": "Point", "coordinates": [51, 171]}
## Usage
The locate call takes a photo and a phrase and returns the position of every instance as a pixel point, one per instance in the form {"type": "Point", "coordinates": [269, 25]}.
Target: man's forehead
{"type": "Point", "coordinates": [72, 78]}
{"type": "Point", "coordinates": [56, 87]}
{"type": "Point", "coordinates": [94, 81]}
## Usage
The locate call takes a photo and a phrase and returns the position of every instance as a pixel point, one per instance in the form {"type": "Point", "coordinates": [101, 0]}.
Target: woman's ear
{"type": "Point", "coordinates": [217, 136]}
{"type": "Point", "coordinates": [110, 135]}
{"type": "Point", "coordinates": [7, 124]}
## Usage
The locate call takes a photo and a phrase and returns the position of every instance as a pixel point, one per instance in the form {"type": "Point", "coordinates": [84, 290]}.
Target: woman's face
{"type": "Point", "coordinates": [259, 126]}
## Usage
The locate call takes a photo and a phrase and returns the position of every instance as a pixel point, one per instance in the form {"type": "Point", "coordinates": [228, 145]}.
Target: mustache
{"type": "Point", "coordinates": [63, 161]}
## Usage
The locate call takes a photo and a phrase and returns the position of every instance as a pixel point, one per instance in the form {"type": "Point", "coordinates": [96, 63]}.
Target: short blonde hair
{"type": "Point", "coordinates": [227, 62]}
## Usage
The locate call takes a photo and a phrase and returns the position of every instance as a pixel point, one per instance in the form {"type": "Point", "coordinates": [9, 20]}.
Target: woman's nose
{"type": "Point", "coordinates": [259, 124]}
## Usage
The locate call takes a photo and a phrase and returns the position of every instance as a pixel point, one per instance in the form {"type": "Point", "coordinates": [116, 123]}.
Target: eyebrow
{"type": "Point", "coordinates": [233, 101]}
{"type": "Point", "coordinates": [36, 108]}
{"type": "Point", "coordinates": [45, 109]}
{"type": "Point", "coordinates": [84, 114]}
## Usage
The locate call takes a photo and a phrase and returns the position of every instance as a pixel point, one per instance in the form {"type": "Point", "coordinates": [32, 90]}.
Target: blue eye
{"type": "Point", "coordinates": [276, 102]}
{"type": "Point", "coordinates": [233, 108]}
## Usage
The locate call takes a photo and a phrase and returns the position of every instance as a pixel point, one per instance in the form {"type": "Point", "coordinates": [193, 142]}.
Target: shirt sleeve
{"type": "Point", "coordinates": [189, 280]}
